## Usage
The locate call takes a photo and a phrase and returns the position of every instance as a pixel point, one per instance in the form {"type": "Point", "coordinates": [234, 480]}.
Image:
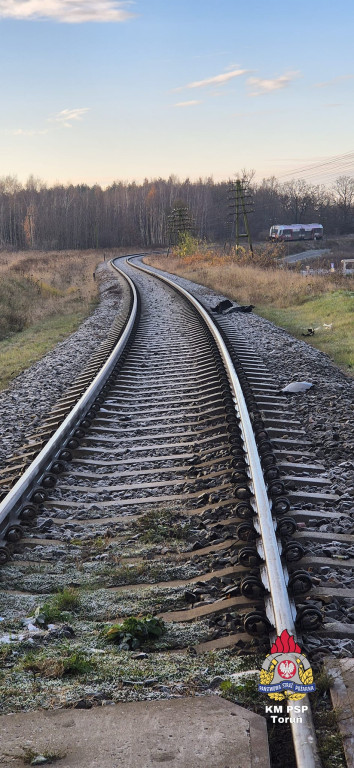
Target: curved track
{"type": "Point", "coordinates": [185, 427]}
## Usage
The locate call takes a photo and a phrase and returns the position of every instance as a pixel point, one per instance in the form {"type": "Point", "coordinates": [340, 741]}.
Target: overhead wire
{"type": "Point", "coordinates": [328, 168]}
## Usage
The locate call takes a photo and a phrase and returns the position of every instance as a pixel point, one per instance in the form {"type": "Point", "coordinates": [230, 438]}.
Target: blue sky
{"type": "Point", "coordinates": [98, 90]}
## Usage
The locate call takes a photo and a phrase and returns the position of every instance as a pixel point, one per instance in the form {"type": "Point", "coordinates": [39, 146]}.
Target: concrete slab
{"type": "Point", "coordinates": [342, 695]}
{"type": "Point", "coordinates": [200, 732]}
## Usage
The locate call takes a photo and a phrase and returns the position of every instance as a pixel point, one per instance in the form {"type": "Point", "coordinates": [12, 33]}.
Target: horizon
{"type": "Point", "coordinates": [34, 180]}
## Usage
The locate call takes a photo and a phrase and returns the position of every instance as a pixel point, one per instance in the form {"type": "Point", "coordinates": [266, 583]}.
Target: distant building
{"type": "Point", "coordinates": [347, 266]}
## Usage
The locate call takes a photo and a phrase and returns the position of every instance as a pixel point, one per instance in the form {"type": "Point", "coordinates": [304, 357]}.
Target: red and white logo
{"type": "Point", "coordinates": [287, 669]}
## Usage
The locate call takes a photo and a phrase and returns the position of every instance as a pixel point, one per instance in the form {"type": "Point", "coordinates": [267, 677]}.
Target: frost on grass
{"type": "Point", "coordinates": [111, 674]}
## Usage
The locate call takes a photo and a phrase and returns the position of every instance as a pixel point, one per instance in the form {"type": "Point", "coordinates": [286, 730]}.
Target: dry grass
{"type": "Point", "coordinates": [44, 296]}
{"type": "Point", "coordinates": [261, 283]}
{"type": "Point", "coordinates": [37, 285]}
{"type": "Point", "coordinates": [285, 296]}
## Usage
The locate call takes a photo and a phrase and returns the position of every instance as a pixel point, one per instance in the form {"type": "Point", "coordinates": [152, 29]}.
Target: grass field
{"type": "Point", "coordinates": [286, 297]}
{"type": "Point", "coordinates": [21, 350]}
{"type": "Point", "coordinates": [44, 296]}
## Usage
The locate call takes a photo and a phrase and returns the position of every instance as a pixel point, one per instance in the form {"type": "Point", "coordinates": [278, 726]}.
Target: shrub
{"type": "Point", "coordinates": [187, 244]}
{"type": "Point", "coordinates": [134, 632]}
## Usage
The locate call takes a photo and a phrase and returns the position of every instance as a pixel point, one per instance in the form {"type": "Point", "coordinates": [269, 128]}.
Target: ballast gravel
{"type": "Point", "coordinates": [325, 410]}
{"type": "Point", "coordinates": [32, 394]}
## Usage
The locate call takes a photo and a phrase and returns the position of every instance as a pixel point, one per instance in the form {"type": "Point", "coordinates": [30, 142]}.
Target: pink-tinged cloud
{"type": "Point", "coordinates": [261, 87]}
{"type": "Point", "coordinates": [67, 11]}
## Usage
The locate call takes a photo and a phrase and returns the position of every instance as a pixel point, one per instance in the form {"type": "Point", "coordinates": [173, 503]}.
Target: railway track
{"type": "Point", "coordinates": [184, 426]}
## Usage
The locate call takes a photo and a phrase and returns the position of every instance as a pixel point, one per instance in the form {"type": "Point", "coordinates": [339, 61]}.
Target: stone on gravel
{"type": "Point", "coordinates": [297, 386]}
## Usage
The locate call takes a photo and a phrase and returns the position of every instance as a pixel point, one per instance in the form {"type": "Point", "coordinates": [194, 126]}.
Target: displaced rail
{"type": "Point", "coordinates": [183, 422]}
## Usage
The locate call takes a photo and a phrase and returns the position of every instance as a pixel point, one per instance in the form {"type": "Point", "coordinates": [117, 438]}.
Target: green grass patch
{"type": "Point", "coordinates": [22, 349]}
{"type": "Point", "coordinates": [68, 663]}
{"type": "Point", "coordinates": [334, 308]}
{"type": "Point", "coordinates": [59, 607]}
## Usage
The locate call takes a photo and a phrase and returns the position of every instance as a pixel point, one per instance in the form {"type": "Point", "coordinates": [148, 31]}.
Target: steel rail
{"type": "Point", "coordinates": [18, 495]}
{"type": "Point", "coordinates": [303, 733]}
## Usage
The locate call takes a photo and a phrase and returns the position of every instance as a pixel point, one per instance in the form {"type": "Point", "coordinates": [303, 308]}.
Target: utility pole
{"type": "Point", "coordinates": [241, 206]}
{"type": "Point", "coordinates": [178, 222]}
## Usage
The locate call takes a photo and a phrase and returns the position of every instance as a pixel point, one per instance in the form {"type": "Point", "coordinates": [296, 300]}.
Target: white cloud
{"type": "Point", "coordinates": [67, 116]}
{"type": "Point", "coordinates": [69, 11]}
{"type": "Point", "coordinates": [334, 81]}
{"type": "Point", "coordinates": [267, 86]}
{"type": "Point", "coordinates": [217, 80]}
{"type": "Point", "coordinates": [187, 103]}
{"type": "Point", "coordinates": [24, 132]}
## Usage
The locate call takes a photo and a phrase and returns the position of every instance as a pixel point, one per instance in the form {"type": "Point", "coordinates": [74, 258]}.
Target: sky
{"type": "Point", "coordinates": [94, 91]}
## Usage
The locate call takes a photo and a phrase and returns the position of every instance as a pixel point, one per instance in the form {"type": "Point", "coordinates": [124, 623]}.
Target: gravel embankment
{"type": "Point", "coordinates": [325, 410]}
{"type": "Point", "coordinates": [33, 392]}
{"type": "Point", "coordinates": [325, 413]}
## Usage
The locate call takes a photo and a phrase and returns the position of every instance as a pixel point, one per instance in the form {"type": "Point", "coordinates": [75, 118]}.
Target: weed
{"type": "Point", "coordinates": [67, 664]}
{"type": "Point", "coordinates": [158, 526]}
{"type": "Point", "coordinates": [323, 682]}
{"type": "Point", "coordinates": [30, 756]}
{"type": "Point", "coordinates": [77, 664]}
{"type": "Point", "coordinates": [68, 599]}
{"type": "Point", "coordinates": [5, 653]}
{"type": "Point", "coordinates": [60, 606]}
{"type": "Point", "coordinates": [330, 747]}
{"type": "Point", "coordinates": [135, 573]}
{"type": "Point", "coordinates": [134, 632]}
{"type": "Point", "coordinates": [245, 692]}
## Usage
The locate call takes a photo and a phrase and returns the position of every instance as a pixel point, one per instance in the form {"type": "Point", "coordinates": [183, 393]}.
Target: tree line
{"type": "Point", "coordinates": [36, 216]}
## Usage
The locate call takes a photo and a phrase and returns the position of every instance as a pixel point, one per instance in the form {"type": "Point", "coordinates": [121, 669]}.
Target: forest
{"type": "Point", "coordinates": [37, 216]}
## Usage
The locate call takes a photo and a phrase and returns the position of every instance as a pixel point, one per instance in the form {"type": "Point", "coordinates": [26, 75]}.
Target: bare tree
{"type": "Point", "coordinates": [344, 195]}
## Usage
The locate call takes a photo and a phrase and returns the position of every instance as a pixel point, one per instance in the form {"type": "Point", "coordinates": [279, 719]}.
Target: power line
{"type": "Point", "coordinates": [332, 165]}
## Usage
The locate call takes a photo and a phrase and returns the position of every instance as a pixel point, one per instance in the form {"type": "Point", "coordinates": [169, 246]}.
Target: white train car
{"type": "Point", "coordinates": [285, 232]}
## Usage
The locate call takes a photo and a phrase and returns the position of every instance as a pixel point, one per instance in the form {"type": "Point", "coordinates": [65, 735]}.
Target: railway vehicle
{"type": "Point", "coordinates": [282, 232]}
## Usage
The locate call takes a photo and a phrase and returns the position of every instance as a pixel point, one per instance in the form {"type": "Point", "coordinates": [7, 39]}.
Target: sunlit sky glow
{"type": "Point", "coordinates": [100, 90]}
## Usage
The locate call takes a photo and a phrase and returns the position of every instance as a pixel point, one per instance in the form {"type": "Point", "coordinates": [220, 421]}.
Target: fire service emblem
{"type": "Point", "coordinates": [286, 672]}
